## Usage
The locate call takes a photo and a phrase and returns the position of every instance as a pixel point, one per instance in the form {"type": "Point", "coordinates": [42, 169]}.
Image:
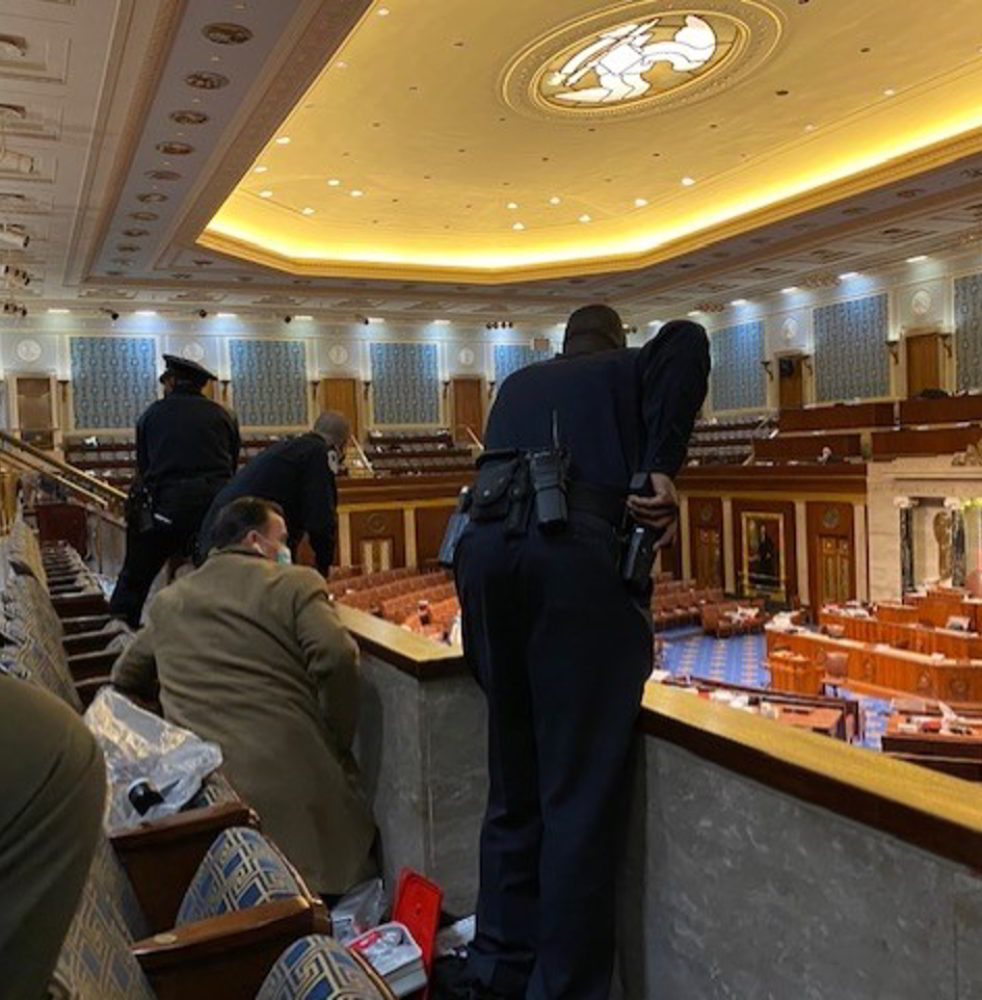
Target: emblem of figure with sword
{"type": "Point", "coordinates": [622, 56]}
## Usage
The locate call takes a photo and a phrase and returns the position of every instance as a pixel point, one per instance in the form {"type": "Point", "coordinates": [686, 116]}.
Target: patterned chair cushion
{"type": "Point", "coordinates": [109, 879]}
{"type": "Point", "coordinates": [318, 968]}
{"type": "Point", "coordinates": [241, 869]}
{"type": "Point", "coordinates": [95, 961]}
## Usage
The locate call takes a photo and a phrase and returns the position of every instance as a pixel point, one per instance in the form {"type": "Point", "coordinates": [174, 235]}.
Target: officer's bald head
{"type": "Point", "coordinates": [594, 328]}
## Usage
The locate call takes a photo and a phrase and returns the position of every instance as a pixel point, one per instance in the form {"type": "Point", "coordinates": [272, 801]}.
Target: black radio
{"type": "Point", "coordinates": [640, 543]}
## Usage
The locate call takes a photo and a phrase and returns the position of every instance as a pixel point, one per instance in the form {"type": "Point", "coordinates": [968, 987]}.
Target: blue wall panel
{"type": "Point", "coordinates": [113, 380]}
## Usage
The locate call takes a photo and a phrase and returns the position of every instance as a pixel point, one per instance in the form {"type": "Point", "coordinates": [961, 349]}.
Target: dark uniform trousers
{"type": "Point", "coordinates": [52, 787]}
{"type": "Point", "coordinates": [184, 503]}
{"type": "Point", "coordinates": [562, 651]}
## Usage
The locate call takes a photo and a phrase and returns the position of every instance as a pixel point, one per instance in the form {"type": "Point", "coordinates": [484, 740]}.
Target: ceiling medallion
{"type": "Point", "coordinates": [163, 175]}
{"type": "Point", "coordinates": [633, 58]}
{"type": "Point", "coordinates": [127, 248]}
{"type": "Point", "coordinates": [227, 34]}
{"type": "Point", "coordinates": [205, 80]}
{"type": "Point", "coordinates": [136, 233]}
{"type": "Point", "coordinates": [188, 117]}
{"type": "Point", "coordinates": [144, 216]}
{"type": "Point", "coordinates": [151, 197]}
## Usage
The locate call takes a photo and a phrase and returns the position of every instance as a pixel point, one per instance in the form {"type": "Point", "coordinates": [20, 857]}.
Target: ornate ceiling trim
{"type": "Point", "coordinates": [900, 169]}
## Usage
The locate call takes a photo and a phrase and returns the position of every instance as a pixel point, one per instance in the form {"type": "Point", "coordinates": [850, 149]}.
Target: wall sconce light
{"type": "Point", "coordinates": [766, 365]}
{"type": "Point", "coordinates": [446, 387]}
{"type": "Point", "coordinates": [807, 362]}
{"type": "Point", "coordinates": [893, 346]}
{"type": "Point", "coordinates": [946, 339]}
{"type": "Point", "coordinates": [491, 385]}
{"type": "Point", "coordinates": [366, 387]}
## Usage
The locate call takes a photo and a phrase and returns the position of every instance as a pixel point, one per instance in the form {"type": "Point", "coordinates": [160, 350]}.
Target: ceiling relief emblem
{"type": "Point", "coordinates": [790, 329]}
{"type": "Point", "coordinates": [171, 148]}
{"type": "Point", "coordinates": [466, 357]}
{"type": "Point", "coordinates": [921, 303]}
{"type": "Point", "coordinates": [971, 456]}
{"type": "Point", "coordinates": [204, 80]}
{"type": "Point", "coordinates": [188, 117]}
{"type": "Point", "coordinates": [634, 58]}
{"type": "Point", "coordinates": [338, 355]}
{"type": "Point", "coordinates": [621, 64]}
{"type": "Point", "coordinates": [28, 351]}
{"type": "Point", "coordinates": [227, 34]}
{"type": "Point", "coordinates": [192, 351]}
{"type": "Point", "coordinates": [144, 216]}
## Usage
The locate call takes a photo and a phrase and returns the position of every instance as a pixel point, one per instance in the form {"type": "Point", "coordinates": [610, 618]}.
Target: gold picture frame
{"type": "Point", "coordinates": [764, 557]}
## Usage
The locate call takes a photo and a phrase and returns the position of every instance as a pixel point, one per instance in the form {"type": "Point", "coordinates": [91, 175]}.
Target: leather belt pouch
{"type": "Point", "coordinates": [491, 488]}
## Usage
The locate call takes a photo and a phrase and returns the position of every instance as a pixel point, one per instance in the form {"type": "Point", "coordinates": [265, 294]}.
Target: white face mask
{"type": "Point", "coordinates": [334, 460]}
{"type": "Point", "coordinates": [282, 556]}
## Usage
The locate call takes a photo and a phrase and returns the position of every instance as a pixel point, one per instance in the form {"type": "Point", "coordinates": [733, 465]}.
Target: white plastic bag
{"type": "Point", "coordinates": [141, 747]}
{"type": "Point", "coordinates": [359, 910]}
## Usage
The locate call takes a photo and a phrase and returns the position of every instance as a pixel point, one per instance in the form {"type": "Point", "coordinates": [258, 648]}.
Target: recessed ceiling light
{"type": "Point", "coordinates": [512, 205]}
{"type": "Point", "coordinates": [383, 12]}
{"type": "Point", "coordinates": [555, 200]}
{"type": "Point", "coordinates": [260, 170]}
{"type": "Point", "coordinates": [266, 194]}
{"type": "Point", "coordinates": [518, 225]}
{"type": "Point", "coordinates": [584, 218]}
{"type": "Point", "coordinates": [640, 202]}
{"type": "Point", "coordinates": [304, 319]}
{"type": "Point", "coordinates": [225, 315]}
{"type": "Point", "coordinates": [917, 259]}
{"type": "Point", "coordinates": [441, 322]}
{"type": "Point", "coordinates": [341, 64]}
{"type": "Point", "coordinates": [654, 322]}
{"type": "Point", "coordinates": [375, 319]}
{"type": "Point", "coordinates": [889, 92]}
{"type": "Point", "coordinates": [145, 312]}
{"type": "Point", "coordinates": [738, 302]}
{"type": "Point", "coordinates": [810, 128]}
{"type": "Point", "coordinates": [283, 140]}
{"type": "Point", "coordinates": [848, 275]}
{"type": "Point", "coordinates": [688, 181]}
{"type": "Point", "coordinates": [356, 193]}
{"type": "Point", "coordinates": [790, 290]}
{"type": "Point", "coordinates": [59, 312]}
{"type": "Point", "coordinates": [333, 182]}
{"type": "Point", "coordinates": [309, 211]}
{"type": "Point", "coordinates": [694, 312]}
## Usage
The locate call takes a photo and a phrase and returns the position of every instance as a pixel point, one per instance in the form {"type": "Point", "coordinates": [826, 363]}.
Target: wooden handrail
{"type": "Point", "coordinates": [361, 453]}
{"type": "Point", "coordinates": [109, 494]}
{"type": "Point", "coordinates": [19, 462]}
{"type": "Point", "coordinates": [475, 440]}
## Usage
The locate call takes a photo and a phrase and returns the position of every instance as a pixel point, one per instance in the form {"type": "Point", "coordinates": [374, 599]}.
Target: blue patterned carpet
{"type": "Point", "coordinates": [743, 660]}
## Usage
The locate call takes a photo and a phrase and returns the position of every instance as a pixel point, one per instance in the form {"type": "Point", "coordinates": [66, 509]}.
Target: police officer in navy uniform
{"type": "Point", "coordinates": [187, 448]}
{"type": "Point", "coordinates": [561, 645]}
{"type": "Point", "coordinates": [299, 474]}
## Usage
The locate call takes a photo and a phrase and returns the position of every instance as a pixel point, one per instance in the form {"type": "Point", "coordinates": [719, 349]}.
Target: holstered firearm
{"type": "Point", "coordinates": [459, 520]}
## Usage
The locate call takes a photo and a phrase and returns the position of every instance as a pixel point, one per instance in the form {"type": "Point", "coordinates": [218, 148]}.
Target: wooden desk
{"type": "Point", "coordinates": [836, 417]}
{"type": "Point", "coordinates": [905, 635]}
{"type": "Point", "coordinates": [882, 667]}
{"type": "Point", "coordinates": [826, 721]}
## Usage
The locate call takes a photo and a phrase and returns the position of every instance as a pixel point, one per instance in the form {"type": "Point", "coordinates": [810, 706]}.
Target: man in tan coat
{"type": "Point", "coordinates": [248, 652]}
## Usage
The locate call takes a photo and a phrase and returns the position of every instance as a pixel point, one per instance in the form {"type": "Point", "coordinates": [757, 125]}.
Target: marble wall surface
{"type": "Point", "coordinates": [732, 891]}
{"type": "Point", "coordinates": [421, 747]}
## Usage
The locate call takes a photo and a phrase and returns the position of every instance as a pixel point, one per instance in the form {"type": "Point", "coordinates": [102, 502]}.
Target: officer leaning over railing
{"type": "Point", "coordinates": [553, 550]}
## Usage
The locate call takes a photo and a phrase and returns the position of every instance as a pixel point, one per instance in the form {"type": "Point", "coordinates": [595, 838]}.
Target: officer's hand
{"type": "Point", "coordinates": [660, 510]}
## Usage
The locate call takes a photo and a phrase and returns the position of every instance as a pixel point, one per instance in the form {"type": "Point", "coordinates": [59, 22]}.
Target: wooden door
{"type": "Point", "coordinates": [709, 558]}
{"type": "Point", "coordinates": [341, 394]}
{"type": "Point", "coordinates": [835, 576]}
{"type": "Point", "coordinates": [468, 408]}
{"type": "Point", "coordinates": [923, 364]}
{"type": "Point", "coordinates": [35, 410]}
{"type": "Point", "coordinates": [790, 383]}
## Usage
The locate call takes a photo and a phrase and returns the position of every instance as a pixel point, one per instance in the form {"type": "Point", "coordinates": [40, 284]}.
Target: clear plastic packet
{"type": "Point", "coordinates": [153, 768]}
{"type": "Point", "coordinates": [359, 910]}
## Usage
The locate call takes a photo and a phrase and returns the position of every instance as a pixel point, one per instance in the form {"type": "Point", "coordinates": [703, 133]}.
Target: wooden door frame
{"type": "Point", "coordinates": [13, 409]}
{"type": "Point", "coordinates": [918, 333]}
{"type": "Point", "coordinates": [482, 397]}
{"type": "Point", "coordinates": [807, 375]}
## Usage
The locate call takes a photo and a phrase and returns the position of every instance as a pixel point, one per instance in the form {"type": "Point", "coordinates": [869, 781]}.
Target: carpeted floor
{"type": "Point", "coordinates": [743, 660]}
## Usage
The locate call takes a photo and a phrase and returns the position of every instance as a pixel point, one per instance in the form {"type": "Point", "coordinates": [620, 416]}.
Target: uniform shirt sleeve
{"type": "Point", "coordinates": [135, 671]}
{"type": "Point", "coordinates": [331, 658]}
{"type": "Point", "coordinates": [235, 442]}
{"type": "Point", "coordinates": [674, 379]}
{"type": "Point", "coordinates": [319, 503]}
{"type": "Point", "coordinates": [142, 458]}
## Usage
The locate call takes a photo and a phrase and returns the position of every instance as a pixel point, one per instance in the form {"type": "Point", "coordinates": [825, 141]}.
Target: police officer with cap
{"type": "Point", "coordinates": [553, 572]}
{"type": "Point", "coordinates": [187, 448]}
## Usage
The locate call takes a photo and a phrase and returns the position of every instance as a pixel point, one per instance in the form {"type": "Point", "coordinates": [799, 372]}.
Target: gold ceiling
{"type": "Point", "coordinates": [510, 140]}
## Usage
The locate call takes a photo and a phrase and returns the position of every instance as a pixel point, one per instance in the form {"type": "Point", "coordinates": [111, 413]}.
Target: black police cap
{"type": "Point", "coordinates": [183, 369]}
